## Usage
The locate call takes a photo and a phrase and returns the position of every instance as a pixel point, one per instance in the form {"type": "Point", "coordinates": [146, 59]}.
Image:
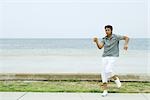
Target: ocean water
{"type": "Point", "coordinates": [134, 44]}
{"type": "Point", "coordinates": [61, 46]}
{"type": "Point", "coordinates": [69, 56]}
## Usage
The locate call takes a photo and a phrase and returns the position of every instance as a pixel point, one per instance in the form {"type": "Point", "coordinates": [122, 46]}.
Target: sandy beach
{"type": "Point", "coordinates": [71, 61]}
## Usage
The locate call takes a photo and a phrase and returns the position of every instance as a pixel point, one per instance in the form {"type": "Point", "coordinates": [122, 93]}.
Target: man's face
{"type": "Point", "coordinates": [108, 31]}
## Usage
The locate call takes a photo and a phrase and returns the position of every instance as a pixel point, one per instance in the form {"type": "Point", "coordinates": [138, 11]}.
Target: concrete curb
{"type": "Point", "coordinates": [67, 77]}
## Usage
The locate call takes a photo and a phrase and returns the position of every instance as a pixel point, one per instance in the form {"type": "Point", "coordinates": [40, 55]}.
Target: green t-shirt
{"type": "Point", "coordinates": [111, 45]}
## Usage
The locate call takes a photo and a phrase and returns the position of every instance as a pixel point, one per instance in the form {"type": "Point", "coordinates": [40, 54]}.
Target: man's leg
{"type": "Point", "coordinates": [114, 77]}
{"type": "Point", "coordinates": [105, 92]}
{"type": "Point", "coordinates": [104, 85]}
{"type": "Point", "coordinates": [104, 76]}
{"type": "Point", "coordinates": [117, 81]}
{"type": "Point", "coordinates": [109, 69]}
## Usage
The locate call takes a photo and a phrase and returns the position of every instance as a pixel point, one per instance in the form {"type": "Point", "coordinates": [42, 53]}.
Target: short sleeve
{"type": "Point", "coordinates": [120, 37]}
{"type": "Point", "coordinates": [102, 41]}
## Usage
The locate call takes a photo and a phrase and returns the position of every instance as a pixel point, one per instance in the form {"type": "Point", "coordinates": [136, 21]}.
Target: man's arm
{"type": "Point", "coordinates": [99, 45]}
{"type": "Point", "coordinates": [126, 42]}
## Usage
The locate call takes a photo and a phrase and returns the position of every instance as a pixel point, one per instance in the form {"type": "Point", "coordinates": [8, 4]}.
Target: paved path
{"type": "Point", "coordinates": [71, 96]}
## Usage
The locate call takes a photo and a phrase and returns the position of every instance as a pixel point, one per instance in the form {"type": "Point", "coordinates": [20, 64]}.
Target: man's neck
{"type": "Point", "coordinates": [109, 35]}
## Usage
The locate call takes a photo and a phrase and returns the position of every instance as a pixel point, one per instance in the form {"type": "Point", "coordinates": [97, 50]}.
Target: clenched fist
{"type": "Point", "coordinates": [95, 39]}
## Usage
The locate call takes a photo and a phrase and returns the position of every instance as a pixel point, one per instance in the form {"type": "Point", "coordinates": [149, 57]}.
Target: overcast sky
{"type": "Point", "coordinates": [73, 18]}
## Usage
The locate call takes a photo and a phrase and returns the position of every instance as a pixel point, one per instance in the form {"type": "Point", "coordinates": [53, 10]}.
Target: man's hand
{"type": "Point", "coordinates": [99, 45]}
{"type": "Point", "coordinates": [125, 47]}
{"type": "Point", "coordinates": [95, 39]}
{"type": "Point", "coordinates": [126, 42]}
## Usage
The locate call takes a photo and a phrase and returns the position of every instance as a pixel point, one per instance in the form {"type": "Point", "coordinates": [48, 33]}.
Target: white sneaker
{"type": "Point", "coordinates": [105, 93]}
{"type": "Point", "coordinates": [117, 81]}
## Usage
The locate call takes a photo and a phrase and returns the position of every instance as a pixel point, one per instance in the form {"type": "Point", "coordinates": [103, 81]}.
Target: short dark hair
{"type": "Point", "coordinates": [109, 26]}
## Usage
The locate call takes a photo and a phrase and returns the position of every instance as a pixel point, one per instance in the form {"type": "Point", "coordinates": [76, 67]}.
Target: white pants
{"type": "Point", "coordinates": [107, 70]}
